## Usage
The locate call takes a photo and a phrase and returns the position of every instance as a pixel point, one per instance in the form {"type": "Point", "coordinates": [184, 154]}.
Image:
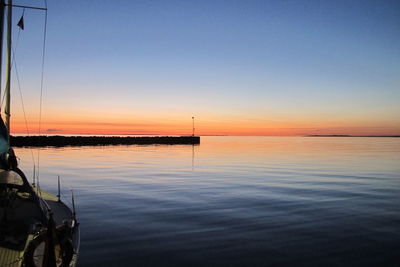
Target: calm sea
{"type": "Point", "coordinates": [233, 201]}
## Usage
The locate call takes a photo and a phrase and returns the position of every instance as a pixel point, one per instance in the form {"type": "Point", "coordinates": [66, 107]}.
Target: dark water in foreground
{"type": "Point", "coordinates": [234, 201]}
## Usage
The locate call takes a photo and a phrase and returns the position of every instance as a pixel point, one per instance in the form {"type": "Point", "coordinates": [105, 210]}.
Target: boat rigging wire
{"type": "Point", "coordinates": [22, 99]}
{"type": "Point", "coordinates": [14, 64]}
{"type": "Point", "coordinates": [22, 103]}
{"type": "Point", "coordinates": [41, 92]}
{"type": "Point", "coordinates": [65, 198]}
{"type": "Point", "coordinates": [41, 82]}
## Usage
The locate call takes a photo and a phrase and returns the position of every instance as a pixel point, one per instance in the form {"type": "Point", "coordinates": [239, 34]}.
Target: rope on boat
{"type": "Point", "coordinates": [14, 262]}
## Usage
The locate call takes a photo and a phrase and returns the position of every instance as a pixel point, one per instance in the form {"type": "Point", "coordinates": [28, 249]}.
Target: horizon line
{"type": "Point", "coordinates": [221, 135]}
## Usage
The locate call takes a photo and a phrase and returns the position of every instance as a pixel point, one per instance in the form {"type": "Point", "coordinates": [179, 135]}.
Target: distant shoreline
{"type": "Point", "coordinates": [60, 141]}
{"type": "Point", "coordinates": [344, 135]}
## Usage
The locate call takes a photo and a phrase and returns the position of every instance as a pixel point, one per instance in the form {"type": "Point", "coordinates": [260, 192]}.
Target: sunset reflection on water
{"type": "Point", "coordinates": [233, 201]}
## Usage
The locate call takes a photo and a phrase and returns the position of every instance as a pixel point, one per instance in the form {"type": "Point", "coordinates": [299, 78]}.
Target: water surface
{"type": "Point", "coordinates": [233, 201]}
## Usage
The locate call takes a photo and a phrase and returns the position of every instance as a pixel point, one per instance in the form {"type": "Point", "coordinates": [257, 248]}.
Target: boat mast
{"type": "Point", "coordinates": [7, 110]}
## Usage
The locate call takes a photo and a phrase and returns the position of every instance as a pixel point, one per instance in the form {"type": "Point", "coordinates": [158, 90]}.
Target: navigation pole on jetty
{"type": "Point", "coordinates": [193, 126]}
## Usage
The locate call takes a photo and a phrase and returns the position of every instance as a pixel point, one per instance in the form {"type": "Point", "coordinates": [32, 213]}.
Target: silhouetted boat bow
{"type": "Point", "coordinates": [36, 227]}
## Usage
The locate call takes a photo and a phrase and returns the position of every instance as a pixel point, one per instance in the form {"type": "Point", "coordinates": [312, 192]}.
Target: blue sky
{"type": "Point", "coordinates": [285, 61]}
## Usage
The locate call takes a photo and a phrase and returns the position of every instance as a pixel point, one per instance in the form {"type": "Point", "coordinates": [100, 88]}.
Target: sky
{"type": "Point", "coordinates": [240, 67]}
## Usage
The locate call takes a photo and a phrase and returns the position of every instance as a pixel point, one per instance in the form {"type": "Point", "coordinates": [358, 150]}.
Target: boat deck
{"type": "Point", "coordinates": [61, 214]}
{"type": "Point", "coordinates": [12, 258]}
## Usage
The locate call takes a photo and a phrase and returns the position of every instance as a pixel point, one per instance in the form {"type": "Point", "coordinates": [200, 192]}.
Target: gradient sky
{"type": "Point", "coordinates": [241, 67]}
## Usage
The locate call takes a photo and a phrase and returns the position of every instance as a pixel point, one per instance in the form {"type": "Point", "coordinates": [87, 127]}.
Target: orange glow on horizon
{"type": "Point", "coordinates": [206, 126]}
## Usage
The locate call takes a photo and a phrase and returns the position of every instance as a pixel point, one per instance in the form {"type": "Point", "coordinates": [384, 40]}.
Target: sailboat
{"type": "Point", "coordinates": [36, 228]}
